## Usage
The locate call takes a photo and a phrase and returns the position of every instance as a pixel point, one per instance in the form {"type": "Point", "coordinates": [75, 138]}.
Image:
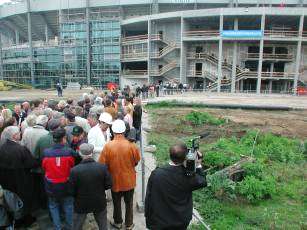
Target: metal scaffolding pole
{"type": "Point", "coordinates": [260, 56]}
{"type": "Point", "coordinates": [219, 77]}
{"type": "Point", "coordinates": [149, 50]}
{"type": "Point", "coordinates": [30, 42]}
{"type": "Point", "coordinates": [234, 60]}
{"type": "Point", "coordinates": [88, 44]}
{"type": "Point", "coordinates": [298, 54]}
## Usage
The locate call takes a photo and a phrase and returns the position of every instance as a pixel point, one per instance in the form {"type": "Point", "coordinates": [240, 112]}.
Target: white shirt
{"type": "Point", "coordinates": [97, 138]}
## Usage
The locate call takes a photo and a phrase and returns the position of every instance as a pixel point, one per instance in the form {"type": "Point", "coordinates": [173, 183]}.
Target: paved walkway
{"type": "Point", "coordinates": [215, 99]}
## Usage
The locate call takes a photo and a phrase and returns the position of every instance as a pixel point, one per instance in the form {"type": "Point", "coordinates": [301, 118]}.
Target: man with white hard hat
{"type": "Point", "coordinates": [99, 135]}
{"type": "Point", "coordinates": [121, 157]}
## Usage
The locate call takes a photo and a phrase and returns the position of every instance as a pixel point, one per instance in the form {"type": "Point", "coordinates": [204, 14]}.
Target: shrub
{"type": "Point", "coordinates": [278, 148]}
{"type": "Point", "coordinates": [253, 169]}
{"type": "Point", "coordinates": [199, 118]}
{"type": "Point", "coordinates": [254, 189]}
{"type": "Point", "coordinates": [221, 186]}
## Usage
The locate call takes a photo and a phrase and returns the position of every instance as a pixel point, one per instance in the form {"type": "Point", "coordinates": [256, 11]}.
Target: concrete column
{"type": "Point", "coordinates": [234, 60]}
{"type": "Point", "coordinates": [17, 37]}
{"type": "Point", "coordinates": [241, 85]}
{"type": "Point", "coordinates": [220, 57]}
{"type": "Point", "coordinates": [260, 56]}
{"type": "Point", "coordinates": [271, 69]}
{"type": "Point", "coordinates": [30, 42]}
{"type": "Point", "coordinates": [149, 50]}
{"type": "Point", "coordinates": [183, 58]}
{"type": "Point", "coordinates": [46, 34]}
{"type": "Point", "coordinates": [298, 54]}
{"type": "Point", "coordinates": [88, 43]}
{"type": "Point", "coordinates": [270, 85]}
{"type": "Point", "coordinates": [1, 59]}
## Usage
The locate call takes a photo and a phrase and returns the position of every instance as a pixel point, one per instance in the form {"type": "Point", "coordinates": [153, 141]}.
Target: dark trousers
{"type": "Point", "coordinates": [117, 211]}
{"type": "Point", "coordinates": [100, 217]}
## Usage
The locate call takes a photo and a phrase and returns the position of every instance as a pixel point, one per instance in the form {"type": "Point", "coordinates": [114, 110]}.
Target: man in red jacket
{"type": "Point", "coordinates": [57, 163]}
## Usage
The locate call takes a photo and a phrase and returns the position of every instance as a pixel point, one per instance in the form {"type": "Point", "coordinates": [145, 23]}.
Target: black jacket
{"type": "Point", "coordinates": [89, 180]}
{"type": "Point", "coordinates": [168, 202]}
{"type": "Point", "coordinates": [16, 162]}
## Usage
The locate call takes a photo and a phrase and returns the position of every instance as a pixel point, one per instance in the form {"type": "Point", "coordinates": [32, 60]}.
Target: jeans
{"type": "Point", "coordinates": [55, 205]}
{"type": "Point", "coordinates": [117, 211]}
{"type": "Point", "coordinates": [100, 217]}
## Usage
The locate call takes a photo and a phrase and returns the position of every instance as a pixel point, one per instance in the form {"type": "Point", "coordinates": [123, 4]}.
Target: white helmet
{"type": "Point", "coordinates": [106, 118]}
{"type": "Point", "coordinates": [118, 126]}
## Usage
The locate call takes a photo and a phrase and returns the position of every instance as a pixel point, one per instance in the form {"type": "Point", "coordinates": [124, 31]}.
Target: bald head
{"type": "Point", "coordinates": [178, 153]}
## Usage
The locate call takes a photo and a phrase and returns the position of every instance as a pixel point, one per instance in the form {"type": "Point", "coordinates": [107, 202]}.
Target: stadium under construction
{"type": "Point", "coordinates": [255, 46]}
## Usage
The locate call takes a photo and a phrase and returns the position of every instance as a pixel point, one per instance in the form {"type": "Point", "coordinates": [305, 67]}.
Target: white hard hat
{"type": "Point", "coordinates": [106, 118]}
{"type": "Point", "coordinates": [118, 126]}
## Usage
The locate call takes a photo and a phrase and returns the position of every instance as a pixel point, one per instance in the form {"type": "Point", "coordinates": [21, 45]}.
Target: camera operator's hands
{"type": "Point", "coordinates": [199, 159]}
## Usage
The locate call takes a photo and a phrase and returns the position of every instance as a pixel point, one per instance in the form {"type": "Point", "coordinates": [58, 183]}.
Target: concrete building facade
{"type": "Point", "coordinates": [228, 45]}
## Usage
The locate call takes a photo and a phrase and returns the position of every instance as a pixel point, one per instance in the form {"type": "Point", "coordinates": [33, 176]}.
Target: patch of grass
{"type": "Point", "coordinates": [200, 118]}
{"type": "Point", "coordinates": [272, 194]}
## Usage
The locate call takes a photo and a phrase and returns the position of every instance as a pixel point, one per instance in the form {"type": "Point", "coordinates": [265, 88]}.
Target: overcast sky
{"type": "Point", "coordinates": [3, 1]}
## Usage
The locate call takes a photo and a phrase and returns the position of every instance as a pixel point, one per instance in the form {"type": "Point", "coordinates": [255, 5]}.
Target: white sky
{"type": "Point", "coordinates": [4, 1]}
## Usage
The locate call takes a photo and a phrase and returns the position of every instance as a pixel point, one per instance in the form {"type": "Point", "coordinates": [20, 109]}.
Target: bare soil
{"type": "Point", "coordinates": [286, 123]}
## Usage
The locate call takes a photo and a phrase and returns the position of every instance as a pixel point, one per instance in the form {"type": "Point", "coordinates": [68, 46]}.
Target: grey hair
{"type": "Point", "coordinates": [8, 133]}
{"type": "Point", "coordinates": [42, 120]}
{"type": "Point", "coordinates": [93, 116]}
{"type": "Point", "coordinates": [31, 120]}
{"type": "Point", "coordinates": [57, 115]}
{"type": "Point", "coordinates": [47, 112]}
{"type": "Point", "coordinates": [98, 101]}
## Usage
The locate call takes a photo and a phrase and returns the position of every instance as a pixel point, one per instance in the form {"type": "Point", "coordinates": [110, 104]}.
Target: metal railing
{"type": "Point", "coordinates": [281, 33]}
{"type": "Point", "coordinates": [137, 38]}
{"type": "Point", "coordinates": [164, 69]}
{"type": "Point", "coordinates": [134, 72]}
{"type": "Point", "coordinates": [134, 56]}
{"type": "Point", "coordinates": [202, 33]}
{"type": "Point", "coordinates": [268, 56]}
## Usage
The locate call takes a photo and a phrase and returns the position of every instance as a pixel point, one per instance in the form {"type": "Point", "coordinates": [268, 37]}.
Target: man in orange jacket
{"type": "Point", "coordinates": [121, 157]}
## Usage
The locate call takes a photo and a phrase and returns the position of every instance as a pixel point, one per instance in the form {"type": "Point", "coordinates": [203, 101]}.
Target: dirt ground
{"type": "Point", "coordinates": [286, 123]}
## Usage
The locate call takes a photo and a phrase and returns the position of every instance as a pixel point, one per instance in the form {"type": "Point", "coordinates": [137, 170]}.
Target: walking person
{"type": "Point", "coordinates": [59, 89]}
{"type": "Point", "coordinates": [57, 163]}
{"type": "Point", "coordinates": [121, 158]}
{"type": "Point", "coordinates": [89, 181]}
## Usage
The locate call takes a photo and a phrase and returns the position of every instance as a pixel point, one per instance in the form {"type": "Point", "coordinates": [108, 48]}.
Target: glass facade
{"type": "Point", "coordinates": [74, 51]}
{"type": "Point", "coordinates": [105, 51]}
{"type": "Point", "coordinates": [16, 65]}
{"type": "Point", "coordinates": [67, 60]}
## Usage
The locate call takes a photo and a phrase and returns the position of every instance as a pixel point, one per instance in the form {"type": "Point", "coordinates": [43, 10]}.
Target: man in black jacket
{"type": "Point", "coordinates": [89, 181]}
{"type": "Point", "coordinates": [168, 203]}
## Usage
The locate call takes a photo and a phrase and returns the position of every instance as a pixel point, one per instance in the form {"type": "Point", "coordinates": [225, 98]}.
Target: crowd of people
{"type": "Point", "coordinates": [65, 156]}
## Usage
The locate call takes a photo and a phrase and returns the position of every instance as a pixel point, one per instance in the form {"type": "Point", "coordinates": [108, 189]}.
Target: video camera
{"type": "Point", "coordinates": [192, 156]}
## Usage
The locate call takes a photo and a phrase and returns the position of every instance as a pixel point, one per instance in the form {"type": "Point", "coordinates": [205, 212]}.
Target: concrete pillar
{"type": "Point", "coordinates": [88, 43]}
{"type": "Point", "coordinates": [46, 34]}
{"type": "Point", "coordinates": [219, 77]}
{"type": "Point", "coordinates": [234, 60]}
{"type": "Point", "coordinates": [298, 54]}
{"type": "Point", "coordinates": [17, 37]}
{"type": "Point", "coordinates": [270, 85]}
{"type": "Point", "coordinates": [149, 50]}
{"type": "Point", "coordinates": [260, 56]}
{"type": "Point", "coordinates": [286, 86]}
{"type": "Point", "coordinates": [271, 69]}
{"type": "Point", "coordinates": [183, 58]}
{"type": "Point", "coordinates": [1, 59]}
{"type": "Point", "coordinates": [30, 42]}
{"type": "Point", "coordinates": [241, 86]}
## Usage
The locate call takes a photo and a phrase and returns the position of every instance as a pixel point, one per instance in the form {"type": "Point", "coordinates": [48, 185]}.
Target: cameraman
{"type": "Point", "coordinates": [168, 203]}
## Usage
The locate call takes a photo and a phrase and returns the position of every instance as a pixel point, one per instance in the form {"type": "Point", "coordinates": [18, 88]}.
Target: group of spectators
{"type": "Point", "coordinates": [72, 157]}
{"type": "Point", "coordinates": [159, 89]}
{"type": "Point", "coordinates": [64, 156]}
